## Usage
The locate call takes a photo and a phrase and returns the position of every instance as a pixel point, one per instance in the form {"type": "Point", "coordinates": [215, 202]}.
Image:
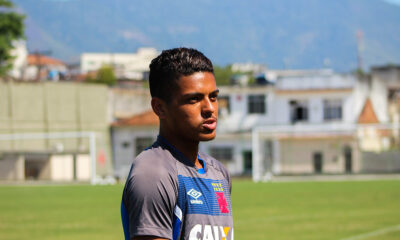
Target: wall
{"type": "Point", "coordinates": [55, 107]}
{"type": "Point", "coordinates": [315, 101]}
{"type": "Point", "coordinates": [83, 167]}
{"type": "Point", "coordinates": [12, 167]}
{"type": "Point", "coordinates": [62, 167]}
{"type": "Point", "coordinates": [124, 103]}
{"type": "Point", "coordinates": [123, 156]}
{"type": "Point", "coordinates": [238, 118]}
{"type": "Point", "coordinates": [383, 162]}
{"type": "Point", "coordinates": [297, 155]}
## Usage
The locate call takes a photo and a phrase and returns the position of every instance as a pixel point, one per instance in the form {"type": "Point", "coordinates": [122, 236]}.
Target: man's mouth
{"type": "Point", "coordinates": [210, 124]}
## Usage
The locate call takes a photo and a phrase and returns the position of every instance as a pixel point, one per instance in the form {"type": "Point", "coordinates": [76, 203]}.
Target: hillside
{"type": "Point", "coordinates": [291, 33]}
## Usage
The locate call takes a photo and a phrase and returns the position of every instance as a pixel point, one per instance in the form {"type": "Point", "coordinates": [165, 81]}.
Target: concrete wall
{"type": "Point", "coordinates": [83, 167]}
{"type": "Point", "coordinates": [125, 103]}
{"type": "Point", "coordinates": [62, 167]}
{"type": "Point", "coordinates": [56, 107]}
{"type": "Point", "coordinates": [383, 162]}
{"type": "Point", "coordinates": [296, 156]}
{"type": "Point", "coordinates": [12, 167]}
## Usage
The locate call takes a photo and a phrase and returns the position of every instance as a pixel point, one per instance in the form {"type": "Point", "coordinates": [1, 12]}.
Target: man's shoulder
{"type": "Point", "coordinates": [155, 161]}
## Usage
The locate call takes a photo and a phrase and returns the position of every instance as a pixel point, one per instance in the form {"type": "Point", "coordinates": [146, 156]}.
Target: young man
{"type": "Point", "coordinates": [173, 191]}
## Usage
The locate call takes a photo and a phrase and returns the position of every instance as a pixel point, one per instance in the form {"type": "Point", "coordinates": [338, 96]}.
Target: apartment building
{"type": "Point", "coordinates": [126, 65]}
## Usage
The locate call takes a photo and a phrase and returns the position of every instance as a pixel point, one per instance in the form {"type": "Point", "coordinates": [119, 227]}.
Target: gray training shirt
{"type": "Point", "coordinates": [167, 197]}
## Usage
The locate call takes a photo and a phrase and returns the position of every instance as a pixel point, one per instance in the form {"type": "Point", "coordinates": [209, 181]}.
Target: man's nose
{"type": "Point", "coordinates": [208, 108]}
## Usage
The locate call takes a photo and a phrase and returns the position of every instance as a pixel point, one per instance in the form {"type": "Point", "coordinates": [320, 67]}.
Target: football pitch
{"type": "Point", "coordinates": [353, 210]}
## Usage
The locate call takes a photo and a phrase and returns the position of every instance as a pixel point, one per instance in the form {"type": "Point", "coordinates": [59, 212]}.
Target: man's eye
{"type": "Point", "coordinates": [214, 97]}
{"type": "Point", "coordinates": [193, 99]}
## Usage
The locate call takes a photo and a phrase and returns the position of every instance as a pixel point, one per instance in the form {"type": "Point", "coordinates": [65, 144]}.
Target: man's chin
{"type": "Point", "coordinates": [207, 137]}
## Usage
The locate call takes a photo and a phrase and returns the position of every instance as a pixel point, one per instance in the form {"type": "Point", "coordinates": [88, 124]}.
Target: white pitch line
{"type": "Point", "coordinates": [374, 233]}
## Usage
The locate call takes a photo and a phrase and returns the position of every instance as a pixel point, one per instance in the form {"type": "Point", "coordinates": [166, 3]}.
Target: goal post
{"type": "Point", "coordinates": [89, 136]}
{"type": "Point", "coordinates": [334, 148]}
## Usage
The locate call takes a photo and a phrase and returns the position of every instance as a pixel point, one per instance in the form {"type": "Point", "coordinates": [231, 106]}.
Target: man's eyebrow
{"type": "Point", "coordinates": [215, 91]}
{"type": "Point", "coordinates": [193, 94]}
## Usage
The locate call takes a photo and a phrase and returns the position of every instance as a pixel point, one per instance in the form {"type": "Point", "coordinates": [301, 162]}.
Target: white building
{"type": "Point", "coordinates": [317, 103]}
{"type": "Point", "coordinates": [248, 67]}
{"type": "Point", "coordinates": [20, 53]}
{"type": "Point", "coordinates": [126, 65]}
{"type": "Point", "coordinates": [316, 122]}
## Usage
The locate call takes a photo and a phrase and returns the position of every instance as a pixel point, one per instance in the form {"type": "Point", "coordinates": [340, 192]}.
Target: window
{"type": "Point", "coordinates": [333, 109]}
{"type": "Point", "coordinates": [298, 111]}
{"type": "Point", "coordinates": [142, 143]}
{"type": "Point", "coordinates": [224, 107]}
{"type": "Point", "coordinates": [256, 103]}
{"type": "Point", "coordinates": [222, 153]}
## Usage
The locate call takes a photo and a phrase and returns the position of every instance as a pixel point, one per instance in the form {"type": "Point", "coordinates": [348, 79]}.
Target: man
{"type": "Point", "coordinates": [173, 191]}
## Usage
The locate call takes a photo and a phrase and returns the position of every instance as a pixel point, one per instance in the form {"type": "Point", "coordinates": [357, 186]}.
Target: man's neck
{"type": "Point", "coordinates": [189, 149]}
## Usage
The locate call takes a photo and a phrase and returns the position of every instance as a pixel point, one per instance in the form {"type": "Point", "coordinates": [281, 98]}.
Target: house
{"type": "Point", "coordinates": [130, 136]}
{"type": "Point", "coordinates": [330, 124]}
{"type": "Point", "coordinates": [134, 66]}
{"type": "Point", "coordinates": [313, 129]}
{"type": "Point", "coordinates": [41, 67]}
{"type": "Point", "coordinates": [283, 119]}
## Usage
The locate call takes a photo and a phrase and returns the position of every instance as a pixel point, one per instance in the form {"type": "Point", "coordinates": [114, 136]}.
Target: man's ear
{"type": "Point", "coordinates": [159, 107]}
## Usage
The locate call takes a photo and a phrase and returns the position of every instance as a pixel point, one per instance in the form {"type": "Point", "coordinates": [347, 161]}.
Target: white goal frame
{"type": "Point", "coordinates": [91, 136]}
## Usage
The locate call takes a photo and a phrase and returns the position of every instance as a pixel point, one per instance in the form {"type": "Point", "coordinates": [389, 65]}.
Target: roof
{"type": "Point", "coordinates": [37, 59]}
{"type": "Point", "coordinates": [368, 115]}
{"type": "Point", "coordinates": [385, 67]}
{"type": "Point", "coordinates": [148, 118]}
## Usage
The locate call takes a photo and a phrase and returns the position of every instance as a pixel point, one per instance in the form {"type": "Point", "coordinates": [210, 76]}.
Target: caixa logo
{"type": "Point", "coordinates": [195, 194]}
{"type": "Point", "coordinates": [200, 232]}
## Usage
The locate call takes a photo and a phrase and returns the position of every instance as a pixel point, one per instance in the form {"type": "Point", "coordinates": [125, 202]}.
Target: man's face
{"type": "Point", "coordinates": [193, 110]}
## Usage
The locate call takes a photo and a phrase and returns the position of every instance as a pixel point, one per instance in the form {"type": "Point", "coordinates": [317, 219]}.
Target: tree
{"type": "Point", "coordinates": [105, 75]}
{"type": "Point", "coordinates": [223, 75]}
{"type": "Point", "coordinates": [11, 29]}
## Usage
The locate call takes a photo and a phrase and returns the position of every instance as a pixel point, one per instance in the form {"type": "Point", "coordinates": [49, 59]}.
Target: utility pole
{"type": "Point", "coordinates": [360, 48]}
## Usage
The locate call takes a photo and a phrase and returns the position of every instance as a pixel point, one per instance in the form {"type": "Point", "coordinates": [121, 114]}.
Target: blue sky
{"type": "Point", "coordinates": [397, 2]}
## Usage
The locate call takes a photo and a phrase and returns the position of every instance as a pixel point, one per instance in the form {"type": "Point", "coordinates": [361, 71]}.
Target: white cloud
{"type": "Point", "coordinates": [397, 2]}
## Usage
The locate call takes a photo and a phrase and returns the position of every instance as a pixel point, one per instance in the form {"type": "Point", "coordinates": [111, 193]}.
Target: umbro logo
{"type": "Point", "coordinates": [195, 194]}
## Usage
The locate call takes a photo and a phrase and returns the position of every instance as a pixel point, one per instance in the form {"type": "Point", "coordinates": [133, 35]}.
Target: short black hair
{"type": "Point", "coordinates": [172, 64]}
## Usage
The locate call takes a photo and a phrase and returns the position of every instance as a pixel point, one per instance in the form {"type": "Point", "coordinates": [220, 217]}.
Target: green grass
{"type": "Point", "coordinates": [302, 210]}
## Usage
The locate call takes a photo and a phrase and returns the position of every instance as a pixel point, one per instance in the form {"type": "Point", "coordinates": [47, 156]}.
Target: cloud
{"type": "Point", "coordinates": [182, 29]}
{"type": "Point", "coordinates": [135, 35]}
{"type": "Point", "coordinates": [396, 2]}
